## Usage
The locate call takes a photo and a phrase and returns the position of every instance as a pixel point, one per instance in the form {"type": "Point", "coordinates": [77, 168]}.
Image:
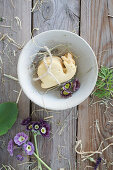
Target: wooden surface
{"type": "Point", "coordinates": [58, 152]}
{"type": "Point", "coordinates": [9, 66]}
{"type": "Point", "coordinates": [97, 29]}
{"type": "Point", "coordinates": [90, 20]}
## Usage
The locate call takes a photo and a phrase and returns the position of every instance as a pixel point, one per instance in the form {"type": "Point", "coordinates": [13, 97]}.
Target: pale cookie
{"type": "Point", "coordinates": [63, 69]}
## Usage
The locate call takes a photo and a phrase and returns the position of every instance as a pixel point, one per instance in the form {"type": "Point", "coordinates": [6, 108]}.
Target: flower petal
{"type": "Point", "coordinates": [10, 147]}
{"type": "Point", "coordinates": [66, 93]}
{"type": "Point", "coordinates": [19, 136]}
{"type": "Point", "coordinates": [36, 126]}
{"type": "Point", "coordinates": [20, 157]}
{"type": "Point", "coordinates": [97, 163]}
{"type": "Point", "coordinates": [75, 85]}
{"type": "Point", "coordinates": [29, 127]}
{"type": "Point", "coordinates": [26, 121]}
{"type": "Point", "coordinates": [44, 128]}
{"type": "Point", "coordinates": [28, 148]}
{"type": "Point", "coordinates": [66, 86]}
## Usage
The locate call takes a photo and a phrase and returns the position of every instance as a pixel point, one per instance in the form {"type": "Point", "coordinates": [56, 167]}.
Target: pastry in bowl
{"type": "Point", "coordinates": [59, 70]}
{"type": "Point", "coordinates": [85, 70]}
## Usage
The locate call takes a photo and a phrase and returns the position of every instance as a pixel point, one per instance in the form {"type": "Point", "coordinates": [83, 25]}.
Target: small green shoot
{"type": "Point", "coordinates": [104, 84]}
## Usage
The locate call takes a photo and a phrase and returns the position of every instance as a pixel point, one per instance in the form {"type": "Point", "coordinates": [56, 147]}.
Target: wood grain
{"type": "Point", "coordinates": [58, 151]}
{"type": "Point", "coordinates": [97, 29]}
{"type": "Point", "coordinates": [54, 14]}
{"type": "Point", "coordinates": [8, 12]}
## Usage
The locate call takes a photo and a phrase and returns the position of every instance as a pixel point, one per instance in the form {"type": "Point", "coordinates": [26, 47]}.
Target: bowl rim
{"type": "Point", "coordinates": [71, 104]}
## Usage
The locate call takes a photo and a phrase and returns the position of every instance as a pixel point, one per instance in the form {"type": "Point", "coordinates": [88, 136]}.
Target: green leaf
{"type": "Point", "coordinates": [101, 85]}
{"type": "Point", "coordinates": [104, 84]}
{"type": "Point", "coordinates": [111, 71]}
{"type": "Point", "coordinates": [101, 75]}
{"type": "Point", "coordinates": [8, 116]}
{"type": "Point", "coordinates": [38, 133]}
{"type": "Point", "coordinates": [3, 131]}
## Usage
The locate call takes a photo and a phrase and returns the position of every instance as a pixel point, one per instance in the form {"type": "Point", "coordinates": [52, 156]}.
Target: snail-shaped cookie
{"type": "Point", "coordinates": [63, 69]}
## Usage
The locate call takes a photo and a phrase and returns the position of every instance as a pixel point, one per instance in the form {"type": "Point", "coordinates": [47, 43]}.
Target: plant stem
{"type": "Point", "coordinates": [42, 161]}
{"type": "Point", "coordinates": [36, 147]}
{"type": "Point", "coordinates": [4, 166]}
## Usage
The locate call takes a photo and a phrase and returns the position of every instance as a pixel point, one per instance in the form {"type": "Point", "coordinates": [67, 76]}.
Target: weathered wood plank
{"type": "Point", "coordinates": [58, 151]}
{"type": "Point", "coordinates": [54, 14]}
{"type": "Point", "coordinates": [22, 10]}
{"type": "Point", "coordinates": [97, 30]}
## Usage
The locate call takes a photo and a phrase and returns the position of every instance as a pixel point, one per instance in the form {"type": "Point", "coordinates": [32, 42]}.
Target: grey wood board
{"type": "Point", "coordinates": [9, 66]}
{"type": "Point", "coordinates": [58, 151]}
{"type": "Point", "coordinates": [97, 29]}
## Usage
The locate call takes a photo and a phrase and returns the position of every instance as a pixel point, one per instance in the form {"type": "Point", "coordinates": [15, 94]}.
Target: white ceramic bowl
{"type": "Point", "coordinates": [87, 69]}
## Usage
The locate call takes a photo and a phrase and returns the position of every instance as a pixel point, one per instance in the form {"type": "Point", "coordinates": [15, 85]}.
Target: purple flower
{"type": "Point", "coordinates": [29, 127]}
{"type": "Point", "coordinates": [66, 93]}
{"type": "Point", "coordinates": [66, 86]}
{"type": "Point", "coordinates": [10, 147]}
{"type": "Point", "coordinates": [20, 138]}
{"type": "Point", "coordinates": [75, 85]}
{"type": "Point", "coordinates": [20, 157]}
{"type": "Point", "coordinates": [44, 128]}
{"type": "Point", "coordinates": [69, 87]}
{"type": "Point", "coordinates": [26, 121]}
{"type": "Point", "coordinates": [36, 126]}
{"type": "Point", "coordinates": [28, 148]}
{"type": "Point", "coordinates": [97, 163]}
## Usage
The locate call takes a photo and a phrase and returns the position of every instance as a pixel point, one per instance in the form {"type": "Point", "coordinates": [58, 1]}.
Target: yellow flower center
{"type": "Point", "coordinates": [36, 127]}
{"type": "Point", "coordinates": [28, 148]}
{"type": "Point", "coordinates": [43, 130]}
{"type": "Point", "coordinates": [30, 126]}
{"type": "Point", "coordinates": [21, 139]}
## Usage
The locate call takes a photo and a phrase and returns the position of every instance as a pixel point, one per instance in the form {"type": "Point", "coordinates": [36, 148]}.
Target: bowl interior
{"type": "Point", "coordinates": [86, 69]}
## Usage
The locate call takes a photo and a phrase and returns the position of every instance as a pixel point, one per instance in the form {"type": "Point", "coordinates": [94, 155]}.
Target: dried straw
{"type": "Point", "coordinates": [49, 117]}
{"type": "Point", "coordinates": [11, 77]}
{"type": "Point", "coordinates": [89, 154]}
{"type": "Point", "coordinates": [5, 26]}
{"type": "Point", "coordinates": [87, 167]}
{"type": "Point", "coordinates": [19, 96]}
{"type": "Point", "coordinates": [12, 3]}
{"type": "Point", "coordinates": [12, 41]}
{"type": "Point", "coordinates": [36, 3]}
{"type": "Point", "coordinates": [97, 126]}
{"type": "Point", "coordinates": [18, 22]}
{"type": "Point", "coordinates": [47, 67]}
{"type": "Point", "coordinates": [1, 60]}
{"type": "Point", "coordinates": [34, 29]}
{"type": "Point", "coordinates": [15, 91]}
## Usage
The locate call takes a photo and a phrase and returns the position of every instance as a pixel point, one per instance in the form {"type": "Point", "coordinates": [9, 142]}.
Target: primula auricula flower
{"type": "Point", "coordinates": [75, 85]}
{"type": "Point", "coordinates": [36, 126]}
{"type": "Point", "coordinates": [10, 147]}
{"type": "Point", "coordinates": [97, 163]}
{"type": "Point", "coordinates": [20, 138]}
{"type": "Point", "coordinates": [66, 86]}
{"type": "Point", "coordinates": [26, 121]}
{"type": "Point", "coordinates": [29, 127]}
{"type": "Point", "coordinates": [66, 93]}
{"type": "Point", "coordinates": [69, 87]}
{"type": "Point", "coordinates": [28, 148]}
{"type": "Point", "coordinates": [44, 128]}
{"type": "Point", "coordinates": [20, 157]}
{"type": "Point", "coordinates": [65, 90]}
